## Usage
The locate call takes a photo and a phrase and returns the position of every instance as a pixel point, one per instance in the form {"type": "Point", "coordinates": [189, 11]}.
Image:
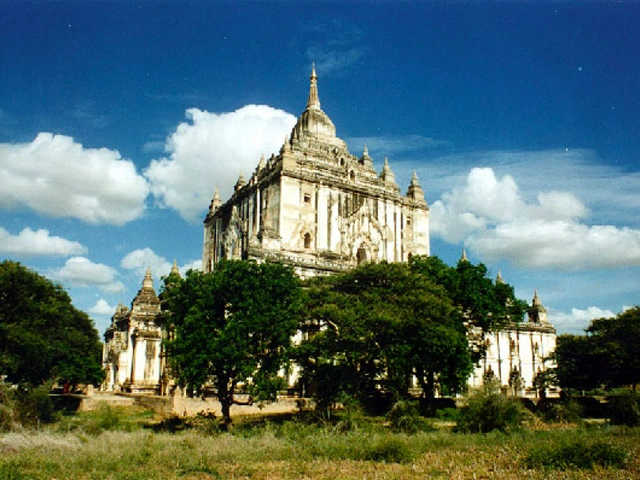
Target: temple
{"type": "Point", "coordinates": [517, 353]}
{"type": "Point", "coordinates": [322, 210]}
{"type": "Point", "coordinates": [317, 207]}
{"type": "Point", "coordinates": [133, 355]}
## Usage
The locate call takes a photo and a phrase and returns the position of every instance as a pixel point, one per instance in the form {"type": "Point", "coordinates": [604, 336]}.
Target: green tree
{"type": "Point", "coordinates": [485, 303]}
{"type": "Point", "coordinates": [42, 335]}
{"type": "Point", "coordinates": [375, 327]}
{"type": "Point", "coordinates": [607, 356]}
{"type": "Point", "coordinates": [232, 328]}
{"type": "Point", "coordinates": [578, 368]}
{"type": "Point", "coordinates": [616, 342]}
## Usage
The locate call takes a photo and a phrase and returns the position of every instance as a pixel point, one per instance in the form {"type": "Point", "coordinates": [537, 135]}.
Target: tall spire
{"type": "Point", "coordinates": [174, 269]}
{"type": "Point", "coordinates": [536, 299]}
{"type": "Point", "coordinates": [314, 100]}
{"type": "Point", "coordinates": [464, 258]}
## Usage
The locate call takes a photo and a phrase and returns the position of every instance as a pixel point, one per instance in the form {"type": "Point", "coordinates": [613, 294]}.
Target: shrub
{"type": "Point", "coordinates": [624, 409]}
{"type": "Point", "coordinates": [405, 417]}
{"type": "Point", "coordinates": [447, 415]}
{"type": "Point", "coordinates": [104, 418]}
{"type": "Point", "coordinates": [576, 454]}
{"type": "Point", "coordinates": [487, 411]}
{"type": "Point", "coordinates": [34, 406]}
{"type": "Point", "coordinates": [9, 418]}
{"type": "Point", "coordinates": [564, 412]}
{"type": "Point", "coordinates": [172, 424]}
{"type": "Point", "coordinates": [206, 423]}
{"type": "Point", "coordinates": [388, 449]}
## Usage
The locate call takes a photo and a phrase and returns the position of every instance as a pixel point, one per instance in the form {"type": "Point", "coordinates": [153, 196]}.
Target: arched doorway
{"type": "Point", "coordinates": [362, 255]}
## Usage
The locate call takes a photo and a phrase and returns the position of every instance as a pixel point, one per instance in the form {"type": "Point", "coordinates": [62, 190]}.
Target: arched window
{"type": "Point", "coordinates": [363, 255]}
{"type": "Point", "coordinates": [307, 240]}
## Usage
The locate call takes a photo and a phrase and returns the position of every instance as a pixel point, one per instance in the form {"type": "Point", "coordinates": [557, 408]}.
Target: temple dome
{"type": "Point", "coordinates": [313, 122]}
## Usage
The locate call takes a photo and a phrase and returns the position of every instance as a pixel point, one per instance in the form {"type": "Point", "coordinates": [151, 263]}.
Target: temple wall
{"type": "Point", "coordinates": [523, 349]}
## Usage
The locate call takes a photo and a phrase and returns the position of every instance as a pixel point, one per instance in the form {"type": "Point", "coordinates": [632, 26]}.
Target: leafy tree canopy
{"type": "Point", "coordinates": [378, 325]}
{"type": "Point", "coordinates": [486, 304]}
{"type": "Point", "coordinates": [42, 335]}
{"type": "Point", "coordinates": [607, 356]}
{"type": "Point", "coordinates": [576, 363]}
{"type": "Point", "coordinates": [231, 328]}
{"type": "Point", "coordinates": [616, 343]}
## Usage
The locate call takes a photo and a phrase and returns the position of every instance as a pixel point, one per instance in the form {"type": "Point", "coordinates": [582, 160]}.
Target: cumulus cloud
{"type": "Point", "coordinates": [101, 308]}
{"type": "Point", "coordinates": [57, 177]}
{"type": "Point", "coordinates": [609, 191]}
{"type": "Point", "coordinates": [29, 243]}
{"type": "Point", "coordinates": [490, 216]}
{"type": "Point", "coordinates": [212, 150]}
{"type": "Point", "coordinates": [577, 320]}
{"type": "Point", "coordinates": [82, 272]}
{"type": "Point", "coordinates": [140, 260]}
{"type": "Point", "coordinates": [195, 265]}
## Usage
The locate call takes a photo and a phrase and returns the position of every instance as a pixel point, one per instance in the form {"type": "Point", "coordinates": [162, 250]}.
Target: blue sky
{"type": "Point", "coordinates": [119, 119]}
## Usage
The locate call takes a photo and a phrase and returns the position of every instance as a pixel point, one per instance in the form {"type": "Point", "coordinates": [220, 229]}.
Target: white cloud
{"type": "Point", "coordinates": [57, 177]}
{"type": "Point", "coordinates": [140, 260]}
{"type": "Point", "coordinates": [211, 150]}
{"type": "Point", "coordinates": [101, 308]}
{"type": "Point", "coordinates": [82, 272]}
{"type": "Point", "coordinates": [31, 243]}
{"type": "Point", "coordinates": [609, 192]}
{"type": "Point", "coordinates": [483, 200]}
{"type": "Point", "coordinates": [490, 216]}
{"type": "Point", "coordinates": [577, 320]}
{"type": "Point", "coordinates": [195, 265]}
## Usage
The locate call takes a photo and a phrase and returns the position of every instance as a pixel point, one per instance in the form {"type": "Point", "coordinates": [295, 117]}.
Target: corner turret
{"type": "Point", "coordinates": [365, 160]}
{"type": "Point", "coordinates": [215, 201]}
{"type": "Point", "coordinates": [537, 313]}
{"type": "Point", "coordinates": [415, 192]}
{"type": "Point", "coordinates": [240, 183]}
{"type": "Point", "coordinates": [387, 174]}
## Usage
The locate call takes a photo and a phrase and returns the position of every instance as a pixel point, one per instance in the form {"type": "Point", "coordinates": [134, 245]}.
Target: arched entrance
{"type": "Point", "coordinates": [363, 255]}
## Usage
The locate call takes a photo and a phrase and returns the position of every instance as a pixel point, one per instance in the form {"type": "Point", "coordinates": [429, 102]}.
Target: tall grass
{"type": "Point", "coordinates": [292, 449]}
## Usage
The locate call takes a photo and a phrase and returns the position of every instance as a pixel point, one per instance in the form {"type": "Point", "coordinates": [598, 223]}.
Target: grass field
{"type": "Point", "coordinates": [113, 444]}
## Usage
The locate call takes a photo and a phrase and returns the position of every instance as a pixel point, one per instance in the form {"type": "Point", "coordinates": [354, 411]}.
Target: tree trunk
{"type": "Point", "coordinates": [225, 397]}
{"type": "Point", "coordinates": [431, 385]}
{"type": "Point", "coordinates": [226, 403]}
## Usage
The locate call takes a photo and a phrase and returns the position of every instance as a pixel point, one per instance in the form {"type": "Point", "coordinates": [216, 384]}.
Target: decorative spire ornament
{"type": "Point", "coordinates": [314, 101]}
